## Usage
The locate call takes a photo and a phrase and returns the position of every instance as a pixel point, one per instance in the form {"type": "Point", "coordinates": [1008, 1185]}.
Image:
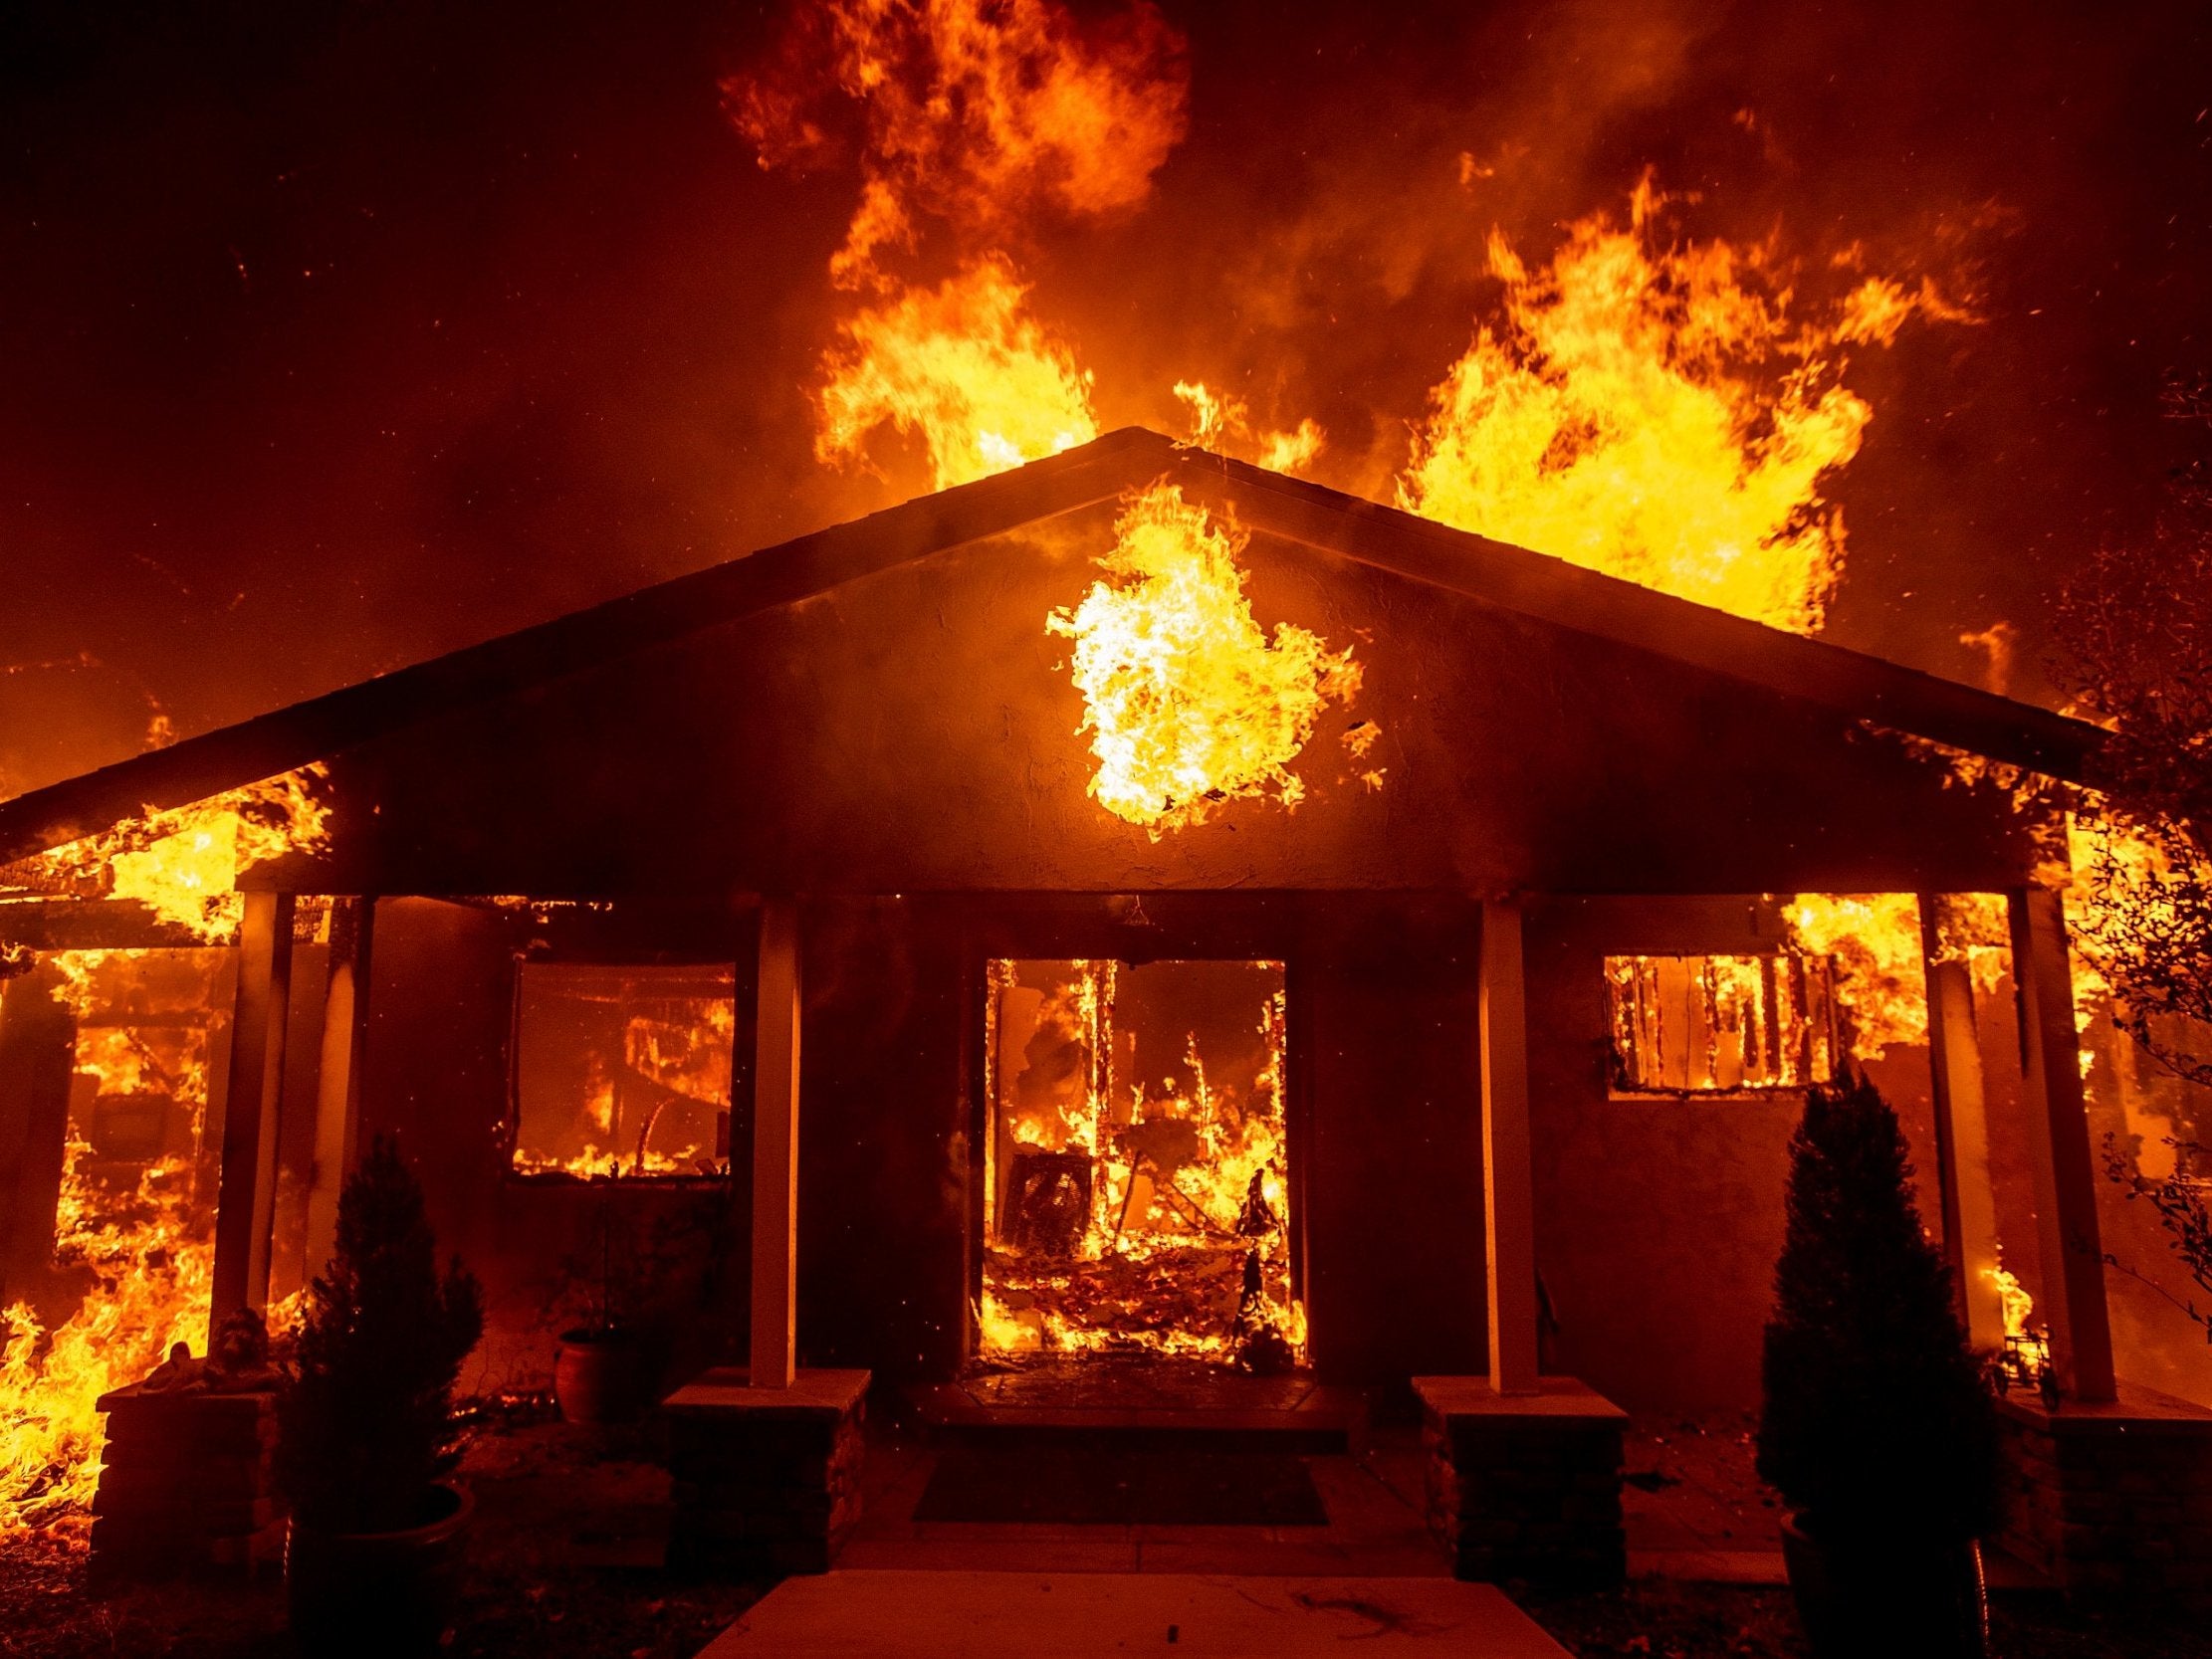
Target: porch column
{"type": "Point", "coordinates": [2059, 1141]}
{"type": "Point", "coordinates": [1508, 1205]}
{"type": "Point", "coordinates": [248, 1191]}
{"type": "Point", "coordinates": [1961, 1135]}
{"type": "Point", "coordinates": [337, 1102]}
{"type": "Point", "coordinates": [775, 1318]}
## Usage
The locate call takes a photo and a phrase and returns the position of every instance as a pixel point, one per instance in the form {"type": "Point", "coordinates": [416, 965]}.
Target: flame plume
{"type": "Point", "coordinates": [965, 367]}
{"type": "Point", "coordinates": [1187, 701]}
{"type": "Point", "coordinates": [980, 118]}
{"type": "Point", "coordinates": [1657, 414]}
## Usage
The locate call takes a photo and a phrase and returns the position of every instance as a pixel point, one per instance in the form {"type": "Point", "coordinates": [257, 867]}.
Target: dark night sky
{"type": "Point", "coordinates": [339, 335]}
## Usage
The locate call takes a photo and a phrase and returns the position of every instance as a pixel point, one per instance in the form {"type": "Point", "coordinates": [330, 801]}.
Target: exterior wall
{"type": "Point", "coordinates": [1385, 1124]}
{"type": "Point", "coordinates": [440, 1009]}
{"type": "Point", "coordinates": [1657, 1222]}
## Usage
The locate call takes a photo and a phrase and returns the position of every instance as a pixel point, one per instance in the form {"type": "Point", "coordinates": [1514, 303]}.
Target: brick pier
{"type": "Point", "coordinates": [766, 1479]}
{"type": "Point", "coordinates": [2113, 1497]}
{"type": "Point", "coordinates": [186, 1484]}
{"type": "Point", "coordinates": [1525, 1486]}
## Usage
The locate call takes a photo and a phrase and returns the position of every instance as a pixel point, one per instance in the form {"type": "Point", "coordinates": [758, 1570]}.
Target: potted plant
{"type": "Point", "coordinates": [365, 1425]}
{"type": "Point", "coordinates": [1878, 1427]}
{"type": "Point", "coordinates": [602, 1369]}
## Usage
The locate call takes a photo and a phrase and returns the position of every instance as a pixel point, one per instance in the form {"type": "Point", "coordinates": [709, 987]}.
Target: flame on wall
{"type": "Point", "coordinates": [1189, 702]}
{"type": "Point", "coordinates": [1658, 413]}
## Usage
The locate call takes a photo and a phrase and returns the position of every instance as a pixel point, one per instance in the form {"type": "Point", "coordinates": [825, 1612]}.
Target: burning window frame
{"type": "Point", "coordinates": [735, 1114]}
{"type": "Point", "coordinates": [1795, 988]}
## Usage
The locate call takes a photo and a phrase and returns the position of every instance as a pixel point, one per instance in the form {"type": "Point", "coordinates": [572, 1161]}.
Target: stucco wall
{"type": "Point", "coordinates": [1658, 1222]}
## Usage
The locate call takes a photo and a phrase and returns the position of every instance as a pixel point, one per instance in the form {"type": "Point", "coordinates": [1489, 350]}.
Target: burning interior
{"type": "Point", "coordinates": [1137, 1188]}
{"type": "Point", "coordinates": [622, 1069]}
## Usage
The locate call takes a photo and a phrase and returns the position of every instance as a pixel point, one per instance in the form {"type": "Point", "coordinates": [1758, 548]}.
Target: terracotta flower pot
{"type": "Point", "coordinates": [386, 1593]}
{"type": "Point", "coordinates": [1887, 1594]}
{"type": "Point", "coordinates": [602, 1376]}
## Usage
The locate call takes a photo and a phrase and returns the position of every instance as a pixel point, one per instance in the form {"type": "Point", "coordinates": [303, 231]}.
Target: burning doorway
{"type": "Point", "coordinates": [1136, 1162]}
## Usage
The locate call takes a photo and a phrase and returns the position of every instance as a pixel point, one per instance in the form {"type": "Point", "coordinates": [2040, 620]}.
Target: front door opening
{"type": "Point", "coordinates": [1135, 1191]}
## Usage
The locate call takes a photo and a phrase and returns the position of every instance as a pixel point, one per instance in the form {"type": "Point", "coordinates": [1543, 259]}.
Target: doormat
{"type": "Point", "coordinates": [1100, 1488]}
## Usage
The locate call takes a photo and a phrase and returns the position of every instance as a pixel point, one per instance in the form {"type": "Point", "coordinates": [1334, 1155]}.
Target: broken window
{"type": "Point", "coordinates": [622, 1071]}
{"type": "Point", "coordinates": [1136, 1173]}
{"type": "Point", "coordinates": [1719, 1025]}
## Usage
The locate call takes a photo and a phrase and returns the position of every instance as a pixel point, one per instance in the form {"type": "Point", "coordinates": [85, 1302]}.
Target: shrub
{"type": "Point", "coordinates": [365, 1410]}
{"type": "Point", "coordinates": [1877, 1415]}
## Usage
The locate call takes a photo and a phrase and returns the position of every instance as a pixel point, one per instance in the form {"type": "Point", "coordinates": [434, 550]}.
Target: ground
{"type": "Point", "coordinates": [564, 1565]}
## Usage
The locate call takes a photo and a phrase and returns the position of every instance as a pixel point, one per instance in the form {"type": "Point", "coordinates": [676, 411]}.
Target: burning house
{"type": "Point", "coordinates": [1132, 906]}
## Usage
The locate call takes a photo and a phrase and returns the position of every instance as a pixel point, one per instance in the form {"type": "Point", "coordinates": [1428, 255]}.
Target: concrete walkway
{"type": "Point", "coordinates": [958, 1616]}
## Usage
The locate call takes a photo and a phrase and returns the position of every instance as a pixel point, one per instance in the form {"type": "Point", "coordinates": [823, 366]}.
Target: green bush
{"type": "Point", "coordinates": [1877, 1415]}
{"type": "Point", "coordinates": [365, 1412]}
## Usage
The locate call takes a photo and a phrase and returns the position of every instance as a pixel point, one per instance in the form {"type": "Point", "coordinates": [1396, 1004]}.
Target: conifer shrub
{"type": "Point", "coordinates": [365, 1412]}
{"type": "Point", "coordinates": [1877, 1415]}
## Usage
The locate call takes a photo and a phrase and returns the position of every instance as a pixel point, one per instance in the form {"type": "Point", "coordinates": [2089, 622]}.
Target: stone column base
{"type": "Point", "coordinates": [767, 1480]}
{"type": "Point", "coordinates": [186, 1484]}
{"type": "Point", "coordinates": [1525, 1486]}
{"type": "Point", "coordinates": [2112, 1498]}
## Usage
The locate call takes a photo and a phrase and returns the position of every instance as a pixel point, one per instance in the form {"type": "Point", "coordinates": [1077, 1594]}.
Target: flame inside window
{"type": "Point", "coordinates": [1137, 1173]}
{"type": "Point", "coordinates": [1712, 1025]}
{"type": "Point", "coordinates": [622, 1071]}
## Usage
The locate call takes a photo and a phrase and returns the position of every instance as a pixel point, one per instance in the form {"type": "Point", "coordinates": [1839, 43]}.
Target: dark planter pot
{"type": "Point", "coordinates": [386, 1593]}
{"type": "Point", "coordinates": [1886, 1594]}
{"type": "Point", "coordinates": [602, 1376]}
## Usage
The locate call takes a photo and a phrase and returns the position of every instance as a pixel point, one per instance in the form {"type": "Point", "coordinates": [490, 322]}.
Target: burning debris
{"type": "Point", "coordinates": [1124, 1214]}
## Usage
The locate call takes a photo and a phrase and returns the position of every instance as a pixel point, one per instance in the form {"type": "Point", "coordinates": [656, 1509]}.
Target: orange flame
{"type": "Point", "coordinates": [183, 865]}
{"type": "Point", "coordinates": [1874, 939]}
{"type": "Point", "coordinates": [964, 368]}
{"type": "Point", "coordinates": [1187, 701]}
{"type": "Point", "coordinates": [1222, 423]}
{"type": "Point", "coordinates": [146, 1249]}
{"type": "Point", "coordinates": [977, 114]}
{"type": "Point", "coordinates": [1656, 413]}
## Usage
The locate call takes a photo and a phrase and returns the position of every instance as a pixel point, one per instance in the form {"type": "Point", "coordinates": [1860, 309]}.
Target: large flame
{"type": "Point", "coordinates": [976, 116]}
{"type": "Point", "coordinates": [964, 368]}
{"type": "Point", "coordinates": [183, 865]}
{"type": "Point", "coordinates": [145, 1249]}
{"type": "Point", "coordinates": [1187, 701]}
{"type": "Point", "coordinates": [1873, 942]}
{"type": "Point", "coordinates": [1658, 413]}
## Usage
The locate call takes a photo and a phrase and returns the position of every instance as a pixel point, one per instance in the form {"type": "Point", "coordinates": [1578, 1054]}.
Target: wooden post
{"type": "Point", "coordinates": [2073, 1256]}
{"type": "Point", "coordinates": [338, 1103]}
{"type": "Point", "coordinates": [1961, 1136]}
{"type": "Point", "coordinates": [248, 1191]}
{"type": "Point", "coordinates": [1508, 1205]}
{"type": "Point", "coordinates": [775, 1319]}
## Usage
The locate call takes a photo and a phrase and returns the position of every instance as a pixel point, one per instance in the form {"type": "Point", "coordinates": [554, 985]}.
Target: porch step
{"type": "Point", "coordinates": [1314, 1421]}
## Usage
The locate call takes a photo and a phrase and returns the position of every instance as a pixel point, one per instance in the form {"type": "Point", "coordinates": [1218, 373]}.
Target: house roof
{"type": "Point", "coordinates": [1531, 584]}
